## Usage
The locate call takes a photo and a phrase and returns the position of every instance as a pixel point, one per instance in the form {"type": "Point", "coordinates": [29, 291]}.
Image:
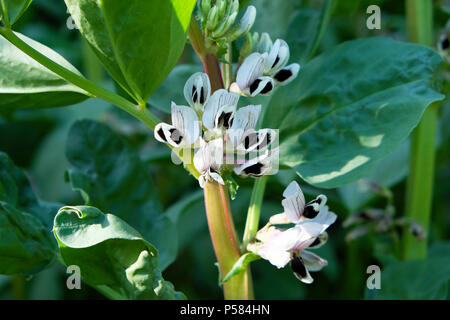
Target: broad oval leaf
{"type": "Point", "coordinates": [24, 83]}
{"type": "Point", "coordinates": [111, 176]}
{"type": "Point", "coordinates": [138, 42]}
{"type": "Point", "coordinates": [26, 244]}
{"type": "Point", "coordinates": [110, 254]}
{"type": "Point", "coordinates": [351, 107]}
{"type": "Point", "coordinates": [15, 8]}
{"type": "Point", "coordinates": [427, 279]}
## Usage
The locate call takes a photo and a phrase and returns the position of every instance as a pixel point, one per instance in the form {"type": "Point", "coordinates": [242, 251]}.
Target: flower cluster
{"type": "Point", "coordinates": [280, 245]}
{"type": "Point", "coordinates": [266, 68]}
{"type": "Point", "coordinates": [218, 16]}
{"type": "Point", "coordinates": [226, 137]}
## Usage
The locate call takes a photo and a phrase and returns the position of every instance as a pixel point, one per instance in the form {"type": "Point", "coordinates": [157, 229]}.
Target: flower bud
{"type": "Point", "coordinates": [213, 19]}
{"type": "Point", "coordinates": [248, 46]}
{"type": "Point", "coordinates": [227, 20]}
{"type": "Point", "coordinates": [205, 6]}
{"type": "Point", "coordinates": [264, 43]}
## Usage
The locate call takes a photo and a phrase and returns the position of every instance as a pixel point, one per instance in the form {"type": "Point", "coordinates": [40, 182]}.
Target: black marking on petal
{"type": "Point", "coordinates": [202, 96]}
{"type": "Point", "coordinates": [266, 141]}
{"type": "Point", "coordinates": [254, 85]}
{"type": "Point", "coordinates": [283, 75]}
{"type": "Point", "coordinates": [194, 94]}
{"type": "Point", "coordinates": [161, 134]}
{"type": "Point", "coordinates": [267, 88]}
{"type": "Point", "coordinates": [298, 267]}
{"type": "Point", "coordinates": [176, 135]}
{"type": "Point", "coordinates": [445, 43]}
{"type": "Point", "coordinates": [275, 62]}
{"type": "Point", "coordinates": [255, 169]}
{"type": "Point", "coordinates": [315, 243]}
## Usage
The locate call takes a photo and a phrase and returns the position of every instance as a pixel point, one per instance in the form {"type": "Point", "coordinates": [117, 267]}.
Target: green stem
{"type": "Point", "coordinates": [91, 88]}
{"type": "Point", "coordinates": [419, 190]}
{"type": "Point", "coordinates": [254, 211]}
{"type": "Point", "coordinates": [225, 243]}
{"type": "Point", "coordinates": [227, 68]}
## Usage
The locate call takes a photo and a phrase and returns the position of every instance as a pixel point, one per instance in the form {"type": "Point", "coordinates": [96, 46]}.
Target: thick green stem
{"type": "Point", "coordinates": [254, 211]}
{"type": "Point", "coordinates": [419, 191]}
{"type": "Point", "coordinates": [225, 243]}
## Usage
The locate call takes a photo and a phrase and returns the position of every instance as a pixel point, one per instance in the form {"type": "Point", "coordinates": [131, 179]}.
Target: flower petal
{"type": "Point", "coordinates": [325, 217]}
{"type": "Point", "coordinates": [246, 117]}
{"type": "Point", "coordinates": [169, 134]}
{"type": "Point", "coordinates": [278, 57]}
{"type": "Point", "coordinates": [225, 117]}
{"type": "Point", "coordinates": [253, 168]}
{"type": "Point", "coordinates": [313, 207]}
{"type": "Point", "coordinates": [312, 261]}
{"type": "Point", "coordinates": [219, 99]}
{"type": "Point", "coordinates": [197, 90]}
{"type": "Point", "coordinates": [300, 270]}
{"type": "Point", "coordinates": [186, 121]}
{"type": "Point", "coordinates": [294, 202]}
{"type": "Point", "coordinates": [319, 241]}
{"type": "Point", "coordinates": [280, 218]}
{"type": "Point", "coordinates": [287, 74]}
{"type": "Point", "coordinates": [209, 156]}
{"type": "Point", "coordinates": [262, 85]}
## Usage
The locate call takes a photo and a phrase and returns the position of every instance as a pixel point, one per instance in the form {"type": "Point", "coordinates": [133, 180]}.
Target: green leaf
{"type": "Point", "coordinates": [24, 83]}
{"type": "Point", "coordinates": [306, 30]}
{"type": "Point", "coordinates": [26, 244]}
{"type": "Point", "coordinates": [15, 8]}
{"type": "Point", "coordinates": [241, 265]}
{"type": "Point", "coordinates": [138, 42]}
{"type": "Point", "coordinates": [110, 254]}
{"type": "Point", "coordinates": [416, 280]}
{"type": "Point", "coordinates": [274, 16]}
{"type": "Point", "coordinates": [111, 176]}
{"type": "Point", "coordinates": [351, 107]}
{"type": "Point", "coordinates": [172, 88]}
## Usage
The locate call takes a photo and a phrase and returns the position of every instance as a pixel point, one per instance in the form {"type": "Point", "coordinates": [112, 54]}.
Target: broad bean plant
{"type": "Point", "coordinates": [255, 107]}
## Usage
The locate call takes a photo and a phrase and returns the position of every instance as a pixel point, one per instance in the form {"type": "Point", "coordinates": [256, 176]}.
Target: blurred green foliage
{"type": "Point", "coordinates": [36, 140]}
